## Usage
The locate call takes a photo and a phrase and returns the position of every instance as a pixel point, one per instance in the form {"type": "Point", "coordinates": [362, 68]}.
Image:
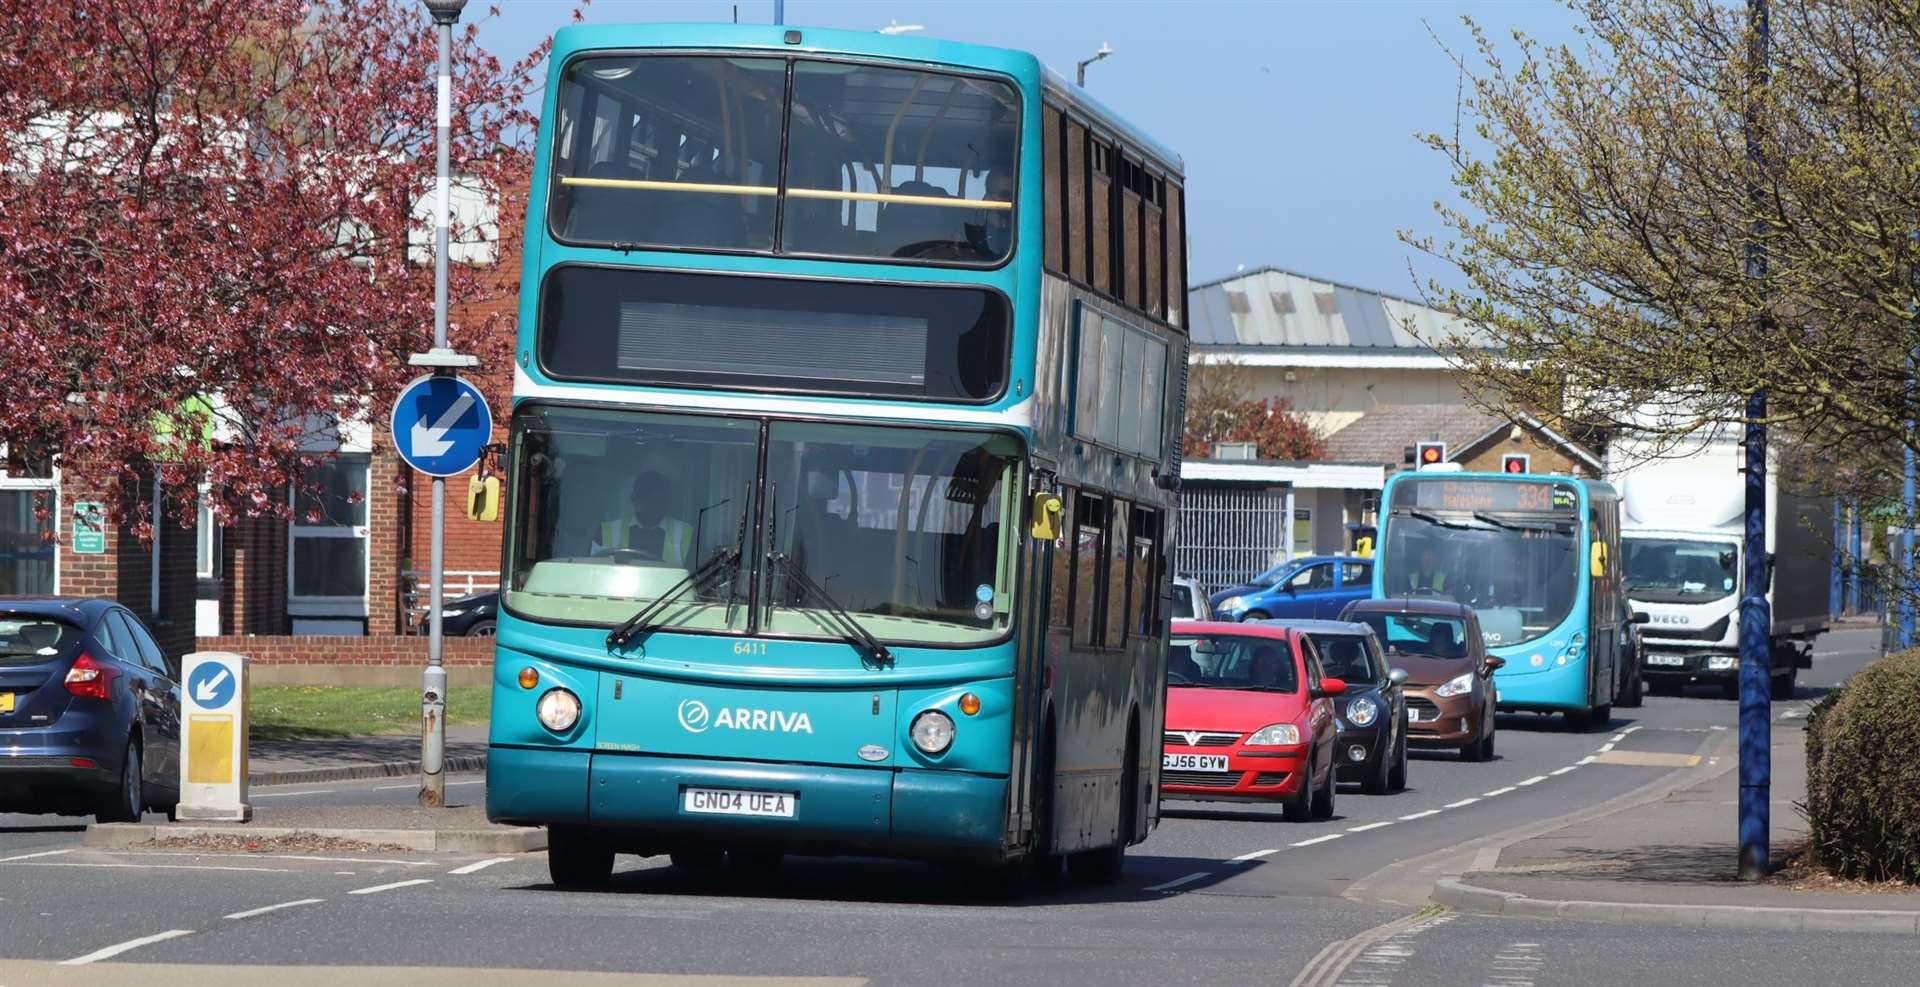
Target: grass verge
{"type": "Point", "coordinates": [312, 712]}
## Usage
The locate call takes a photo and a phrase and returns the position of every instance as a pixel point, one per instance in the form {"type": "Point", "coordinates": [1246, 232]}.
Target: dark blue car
{"type": "Point", "coordinates": [1317, 586]}
{"type": "Point", "coordinates": [89, 711]}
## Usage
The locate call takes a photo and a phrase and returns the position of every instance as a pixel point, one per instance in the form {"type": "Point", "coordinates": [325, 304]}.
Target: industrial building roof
{"type": "Point", "coordinates": [1268, 308]}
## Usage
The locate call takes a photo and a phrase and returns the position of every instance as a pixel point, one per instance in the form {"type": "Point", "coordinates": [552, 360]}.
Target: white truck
{"type": "Point", "coordinates": [1681, 532]}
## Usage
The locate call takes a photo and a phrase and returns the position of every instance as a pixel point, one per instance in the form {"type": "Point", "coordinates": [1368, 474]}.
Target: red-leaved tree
{"type": "Point", "coordinates": [206, 212]}
{"type": "Point", "coordinates": [1218, 410]}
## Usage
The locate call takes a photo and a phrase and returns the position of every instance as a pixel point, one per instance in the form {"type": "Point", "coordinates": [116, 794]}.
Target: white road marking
{"type": "Point", "coordinates": [1561, 771]}
{"type": "Point", "coordinates": [1793, 713]}
{"type": "Point", "coordinates": [416, 785]}
{"type": "Point", "coordinates": [1320, 839]}
{"type": "Point", "coordinates": [1517, 965]}
{"type": "Point", "coordinates": [1716, 727]}
{"type": "Point", "coordinates": [118, 948]}
{"type": "Point", "coordinates": [1616, 738]}
{"type": "Point", "coordinates": [376, 889]}
{"type": "Point", "coordinates": [1603, 748]}
{"type": "Point", "coordinates": [479, 865]}
{"type": "Point", "coordinates": [274, 856]}
{"type": "Point", "coordinates": [1255, 855]}
{"type": "Point", "coordinates": [1463, 803]}
{"type": "Point", "coordinates": [1176, 882]}
{"type": "Point", "coordinates": [1497, 791]}
{"type": "Point", "coordinates": [33, 856]}
{"type": "Point", "coordinates": [1585, 760]}
{"type": "Point", "coordinates": [251, 870]}
{"type": "Point", "coordinates": [1429, 812]}
{"type": "Point", "coordinates": [1630, 729]}
{"type": "Point", "coordinates": [251, 912]}
{"type": "Point", "coordinates": [1535, 780]}
{"type": "Point", "coordinates": [1373, 825]}
{"type": "Point", "coordinates": [1826, 654]}
{"type": "Point", "coordinates": [288, 795]}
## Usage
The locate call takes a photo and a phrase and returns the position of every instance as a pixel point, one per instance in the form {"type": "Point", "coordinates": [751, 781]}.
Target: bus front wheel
{"type": "Point", "coordinates": [577, 858]}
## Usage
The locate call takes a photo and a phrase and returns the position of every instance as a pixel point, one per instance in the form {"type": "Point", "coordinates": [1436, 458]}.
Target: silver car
{"type": "Point", "coordinates": [1190, 601]}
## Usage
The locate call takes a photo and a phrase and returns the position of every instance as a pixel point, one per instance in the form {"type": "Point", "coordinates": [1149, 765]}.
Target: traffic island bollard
{"type": "Point", "coordinates": [214, 727]}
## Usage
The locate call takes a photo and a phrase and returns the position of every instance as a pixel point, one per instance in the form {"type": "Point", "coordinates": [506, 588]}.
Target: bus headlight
{"type": "Point", "coordinates": [932, 732]}
{"type": "Point", "coordinates": [1362, 711]}
{"type": "Point", "coordinates": [1459, 685]}
{"type": "Point", "coordinates": [1275, 735]}
{"type": "Point", "coordinates": [558, 710]}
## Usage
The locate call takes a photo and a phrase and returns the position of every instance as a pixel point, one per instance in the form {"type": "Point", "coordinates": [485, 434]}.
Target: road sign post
{"type": "Point", "coordinates": [214, 725]}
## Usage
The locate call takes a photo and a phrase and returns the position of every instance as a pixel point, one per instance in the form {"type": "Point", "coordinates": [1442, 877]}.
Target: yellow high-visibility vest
{"type": "Point", "coordinates": [676, 543]}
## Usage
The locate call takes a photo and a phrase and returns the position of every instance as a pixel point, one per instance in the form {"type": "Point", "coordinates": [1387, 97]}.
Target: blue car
{"type": "Point", "coordinates": [89, 711]}
{"type": "Point", "coordinates": [1314, 587]}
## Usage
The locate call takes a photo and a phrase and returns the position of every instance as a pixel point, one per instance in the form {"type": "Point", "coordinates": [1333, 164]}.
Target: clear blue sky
{"type": "Point", "coordinates": [1297, 120]}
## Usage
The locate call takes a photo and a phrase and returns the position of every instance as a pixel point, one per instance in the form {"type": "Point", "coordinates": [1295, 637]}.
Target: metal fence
{"type": "Point", "coordinates": [1228, 534]}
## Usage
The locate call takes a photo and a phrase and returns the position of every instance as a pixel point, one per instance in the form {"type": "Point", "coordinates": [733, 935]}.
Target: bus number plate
{"type": "Point", "coordinates": [728, 802]}
{"type": "Point", "coordinates": [1193, 762]}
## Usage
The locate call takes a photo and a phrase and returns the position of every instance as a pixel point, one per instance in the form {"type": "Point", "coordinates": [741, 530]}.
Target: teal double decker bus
{"type": "Point", "coordinates": [1535, 557]}
{"type": "Point", "coordinates": [843, 458]}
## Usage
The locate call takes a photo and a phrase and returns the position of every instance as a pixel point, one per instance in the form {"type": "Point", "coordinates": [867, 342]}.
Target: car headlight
{"type": "Point", "coordinates": [1275, 735]}
{"type": "Point", "coordinates": [451, 613]}
{"type": "Point", "coordinates": [1459, 685]}
{"type": "Point", "coordinates": [1362, 711]}
{"type": "Point", "coordinates": [558, 710]}
{"type": "Point", "coordinates": [932, 732]}
{"type": "Point", "coordinates": [1234, 603]}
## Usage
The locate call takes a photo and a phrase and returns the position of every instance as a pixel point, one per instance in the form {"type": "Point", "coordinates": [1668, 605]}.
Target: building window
{"type": "Point", "coordinates": [26, 546]}
{"type": "Point", "coordinates": [328, 571]}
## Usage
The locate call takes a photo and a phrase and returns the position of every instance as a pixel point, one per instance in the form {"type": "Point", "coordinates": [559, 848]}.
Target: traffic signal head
{"type": "Point", "coordinates": [1515, 462]}
{"type": "Point", "coordinates": [1429, 454]}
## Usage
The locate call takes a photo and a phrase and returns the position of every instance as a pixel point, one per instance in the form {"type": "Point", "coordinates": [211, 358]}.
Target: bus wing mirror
{"type": "Point", "coordinates": [1046, 516]}
{"type": "Point", "coordinates": [483, 498]}
{"type": "Point", "coordinates": [1598, 561]}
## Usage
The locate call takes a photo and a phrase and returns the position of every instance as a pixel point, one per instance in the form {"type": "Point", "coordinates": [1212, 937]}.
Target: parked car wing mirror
{"type": "Point", "coordinates": [1495, 664]}
{"type": "Point", "coordinates": [1331, 687]}
{"type": "Point", "coordinates": [1397, 676]}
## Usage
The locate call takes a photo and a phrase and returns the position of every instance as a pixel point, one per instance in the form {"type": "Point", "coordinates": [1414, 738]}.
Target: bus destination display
{"type": "Point", "coordinates": [1449, 494]}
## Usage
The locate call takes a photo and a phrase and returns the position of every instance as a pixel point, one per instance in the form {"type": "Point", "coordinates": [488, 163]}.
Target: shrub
{"type": "Point", "coordinates": [1863, 773]}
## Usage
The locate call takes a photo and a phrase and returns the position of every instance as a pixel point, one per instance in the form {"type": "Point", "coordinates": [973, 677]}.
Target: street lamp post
{"type": "Point", "coordinates": [1080, 67]}
{"type": "Point", "coordinates": [433, 692]}
{"type": "Point", "coordinates": [1756, 657]}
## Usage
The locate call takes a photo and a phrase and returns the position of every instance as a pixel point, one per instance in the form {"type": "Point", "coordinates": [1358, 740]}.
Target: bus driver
{"type": "Point", "coordinates": [647, 530]}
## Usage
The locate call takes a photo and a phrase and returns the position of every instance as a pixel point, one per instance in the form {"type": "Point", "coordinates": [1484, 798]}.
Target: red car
{"type": "Point", "coordinates": [1249, 718]}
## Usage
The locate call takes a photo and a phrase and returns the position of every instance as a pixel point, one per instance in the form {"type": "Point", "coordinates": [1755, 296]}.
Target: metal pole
{"type": "Point", "coordinates": [433, 687]}
{"type": "Point", "coordinates": [1854, 570]}
{"type": "Point", "coordinates": [1837, 572]}
{"type": "Point", "coordinates": [1904, 566]}
{"type": "Point", "coordinates": [779, 12]}
{"type": "Point", "coordinates": [1756, 660]}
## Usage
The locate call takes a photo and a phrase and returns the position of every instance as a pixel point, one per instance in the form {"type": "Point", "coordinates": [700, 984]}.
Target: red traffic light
{"type": "Point", "coordinates": [1515, 463]}
{"type": "Point", "coordinates": [1432, 453]}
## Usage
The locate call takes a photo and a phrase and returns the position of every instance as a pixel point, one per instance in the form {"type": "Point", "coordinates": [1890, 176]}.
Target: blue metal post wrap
{"type": "Point", "coordinates": [1756, 659]}
{"type": "Point", "coordinates": [1904, 565]}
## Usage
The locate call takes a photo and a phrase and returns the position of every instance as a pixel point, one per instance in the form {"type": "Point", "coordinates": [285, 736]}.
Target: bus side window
{"type": "Point", "coordinates": [1079, 220]}
{"type": "Point", "coordinates": [1089, 524]}
{"type": "Point", "coordinates": [1176, 243]}
{"type": "Point", "coordinates": [1144, 589]}
{"type": "Point", "coordinates": [1054, 191]}
{"type": "Point", "coordinates": [1060, 602]}
{"type": "Point", "coordinates": [1117, 550]}
{"type": "Point", "coordinates": [1103, 224]}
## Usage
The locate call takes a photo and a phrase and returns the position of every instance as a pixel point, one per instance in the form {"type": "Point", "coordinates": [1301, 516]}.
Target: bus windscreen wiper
{"type": "Point", "coordinates": [850, 628]}
{"type": "Point", "coordinates": [1435, 519]}
{"type": "Point", "coordinates": [643, 623]}
{"type": "Point", "coordinates": [1519, 525]}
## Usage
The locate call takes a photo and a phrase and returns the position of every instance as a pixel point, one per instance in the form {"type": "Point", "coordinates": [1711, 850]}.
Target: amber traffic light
{"type": "Point", "coordinates": [1430, 454]}
{"type": "Point", "coordinates": [1516, 462]}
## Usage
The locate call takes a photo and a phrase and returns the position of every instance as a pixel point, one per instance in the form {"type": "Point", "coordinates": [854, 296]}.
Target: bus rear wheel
{"type": "Point", "coordinates": [577, 858]}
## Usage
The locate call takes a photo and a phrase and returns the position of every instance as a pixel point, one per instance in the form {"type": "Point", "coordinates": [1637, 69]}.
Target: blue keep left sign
{"type": "Point", "coordinates": [441, 425]}
{"type": "Point", "coordinates": [211, 685]}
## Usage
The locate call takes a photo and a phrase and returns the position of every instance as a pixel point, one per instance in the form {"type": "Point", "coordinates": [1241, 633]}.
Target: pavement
{"type": "Point", "coordinates": [294, 762]}
{"type": "Point", "coordinates": [1673, 860]}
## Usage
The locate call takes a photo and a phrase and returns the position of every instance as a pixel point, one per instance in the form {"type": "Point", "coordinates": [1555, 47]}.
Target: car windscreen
{"type": "Point", "coordinates": [27, 639]}
{"type": "Point", "coordinates": [1228, 661]}
{"type": "Point", "coordinates": [1432, 635]}
{"type": "Point", "coordinates": [1344, 656]}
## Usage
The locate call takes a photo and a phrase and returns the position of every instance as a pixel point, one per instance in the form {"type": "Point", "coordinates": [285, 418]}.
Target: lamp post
{"type": "Point", "coordinates": [433, 692]}
{"type": "Point", "coordinates": [1756, 652]}
{"type": "Point", "coordinates": [1080, 67]}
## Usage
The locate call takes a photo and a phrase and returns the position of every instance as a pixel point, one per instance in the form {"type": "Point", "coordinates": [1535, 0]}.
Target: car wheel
{"type": "Point", "coordinates": [757, 862]}
{"type": "Point", "coordinates": [1783, 684]}
{"type": "Point", "coordinates": [1479, 748]}
{"type": "Point", "coordinates": [1379, 779]}
{"type": "Point", "coordinates": [128, 799]}
{"type": "Point", "coordinates": [1397, 782]}
{"type": "Point", "coordinates": [480, 628]}
{"type": "Point", "coordinates": [697, 860]}
{"type": "Point", "coordinates": [1322, 807]}
{"type": "Point", "coordinates": [578, 858]}
{"type": "Point", "coordinates": [1254, 615]}
{"type": "Point", "coordinates": [1300, 808]}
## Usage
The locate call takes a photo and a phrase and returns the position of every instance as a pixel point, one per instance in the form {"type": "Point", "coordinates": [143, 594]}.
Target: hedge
{"type": "Point", "coordinates": [1863, 773]}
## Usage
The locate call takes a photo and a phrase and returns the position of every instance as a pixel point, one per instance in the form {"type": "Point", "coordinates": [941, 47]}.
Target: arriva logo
{"type": "Point", "coordinates": [695, 717]}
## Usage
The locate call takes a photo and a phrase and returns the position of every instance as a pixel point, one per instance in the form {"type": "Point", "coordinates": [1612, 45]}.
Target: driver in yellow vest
{"type": "Point", "coordinates": [1427, 578]}
{"type": "Point", "coordinates": [647, 529]}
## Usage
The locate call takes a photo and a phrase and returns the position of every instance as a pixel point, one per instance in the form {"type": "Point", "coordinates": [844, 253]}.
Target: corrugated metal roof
{"type": "Point", "coordinates": [1269, 307]}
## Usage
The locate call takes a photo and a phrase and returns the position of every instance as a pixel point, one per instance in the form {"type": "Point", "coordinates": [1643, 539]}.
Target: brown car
{"type": "Point", "coordinates": [1449, 683]}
